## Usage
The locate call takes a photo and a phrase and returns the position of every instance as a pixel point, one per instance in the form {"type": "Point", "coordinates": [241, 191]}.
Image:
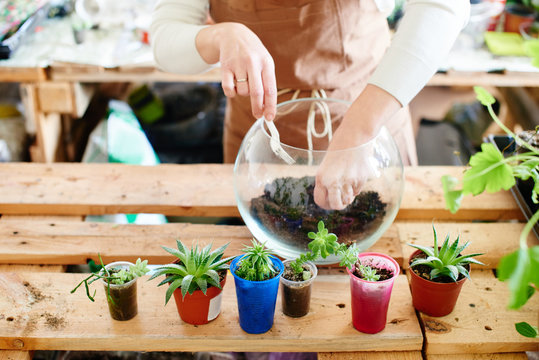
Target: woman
{"type": "Point", "coordinates": [339, 46]}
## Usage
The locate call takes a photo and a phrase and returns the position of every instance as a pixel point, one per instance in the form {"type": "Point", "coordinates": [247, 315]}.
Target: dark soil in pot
{"type": "Point", "coordinates": [124, 304]}
{"type": "Point", "coordinates": [288, 210]}
{"type": "Point", "coordinates": [383, 273]}
{"type": "Point", "coordinates": [296, 293]}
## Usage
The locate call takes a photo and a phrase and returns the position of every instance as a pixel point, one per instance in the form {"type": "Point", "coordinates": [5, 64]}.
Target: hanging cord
{"type": "Point", "coordinates": [311, 128]}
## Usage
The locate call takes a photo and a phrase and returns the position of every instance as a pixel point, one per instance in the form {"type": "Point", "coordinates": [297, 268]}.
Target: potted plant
{"type": "Point", "coordinates": [299, 274]}
{"type": "Point", "coordinates": [489, 170]}
{"type": "Point", "coordinates": [371, 280]}
{"type": "Point", "coordinates": [256, 276]}
{"type": "Point", "coordinates": [120, 282]}
{"type": "Point", "coordinates": [196, 279]}
{"type": "Point", "coordinates": [437, 275]}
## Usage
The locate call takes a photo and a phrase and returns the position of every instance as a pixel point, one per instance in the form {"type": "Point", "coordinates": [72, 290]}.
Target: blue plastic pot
{"type": "Point", "coordinates": [256, 299]}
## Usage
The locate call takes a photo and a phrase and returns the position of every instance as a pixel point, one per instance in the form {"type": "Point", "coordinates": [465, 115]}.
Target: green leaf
{"type": "Point", "coordinates": [518, 283]}
{"type": "Point", "coordinates": [507, 266]}
{"type": "Point", "coordinates": [426, 249]}
{"type": "Point", "coordinates": [526, 330]}
{"type": "Point", "coordinates": [484, 97]}
{"type": "Point", "coordinates": [487, 172]}
{"type": "Point", "coordinates": [453, 198]}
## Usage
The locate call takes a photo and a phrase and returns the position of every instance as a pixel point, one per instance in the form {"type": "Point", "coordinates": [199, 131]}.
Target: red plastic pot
{"type": "Point", "coordinates": [197, 308]}
{"type": "Point", "coordinates": [433, 298]}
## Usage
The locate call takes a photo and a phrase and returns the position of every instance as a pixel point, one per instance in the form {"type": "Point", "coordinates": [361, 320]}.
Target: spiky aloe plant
{"type": "Point", "coordinates": [447, 260]}
{"type": "Point", "coordinates": [197, 268]}
{"type": "Point", "coordinates": [256, 264]}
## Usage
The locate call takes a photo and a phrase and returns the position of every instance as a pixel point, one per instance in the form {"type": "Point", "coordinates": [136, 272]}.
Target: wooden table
{"type": "Point", "coordinates": [41, 231]}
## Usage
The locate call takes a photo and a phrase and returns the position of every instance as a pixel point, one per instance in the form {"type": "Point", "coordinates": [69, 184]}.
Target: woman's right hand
{"type": "Point", "coordinates": [247, 68]}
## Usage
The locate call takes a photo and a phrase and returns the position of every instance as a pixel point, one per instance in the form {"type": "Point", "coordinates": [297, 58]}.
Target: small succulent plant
{"type": "Point", "coordinates": [368, 273]}
{"type": "Point", "coordinates": [197, 269]}
{"type": "Point", "coordinates": [112, 276]}
{"type": "Point", "coordinates": [256, 264]}
{"type": "Point", "coordinates": [445, 260]}
{"type": "Point", "coordinates": [323, 243]}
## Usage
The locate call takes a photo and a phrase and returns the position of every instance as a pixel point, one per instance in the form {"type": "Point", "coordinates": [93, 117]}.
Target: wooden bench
{"type": "Point", "coordinates": [42, 208]}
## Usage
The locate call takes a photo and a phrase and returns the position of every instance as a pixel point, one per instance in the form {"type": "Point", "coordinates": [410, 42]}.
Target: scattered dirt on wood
{"type": "Point", "coordinates": [53, 322]}
{"type": "Point", "coordinates": [437, 326]}
{"type": "Point", "coordinates": [36, 294]}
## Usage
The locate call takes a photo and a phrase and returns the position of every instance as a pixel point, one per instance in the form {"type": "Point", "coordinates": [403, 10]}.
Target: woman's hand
{"type": "Point", "coordinates": [342, 174]}
{"type": "Point", "coordinates": [247, 68]}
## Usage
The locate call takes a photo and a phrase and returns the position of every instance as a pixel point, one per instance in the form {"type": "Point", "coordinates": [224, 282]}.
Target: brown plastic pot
{"type": "Point", "coordinates": [124, 305]}
{"type": "Point", "coordinates": [296, 295]}
{"type": "Point", "coordinates": [197, 308]}
{"type": "Point", "coordinates": [517, 15]}
{"type": "Point", "coordinates": [433, 298]}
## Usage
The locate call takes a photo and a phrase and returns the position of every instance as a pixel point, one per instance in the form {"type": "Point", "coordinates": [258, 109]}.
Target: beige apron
{"type": "Point", "coordinates": [333, 45]}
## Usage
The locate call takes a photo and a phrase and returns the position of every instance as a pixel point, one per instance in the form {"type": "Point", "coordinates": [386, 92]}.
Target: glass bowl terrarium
{"type": "Point", "coordinates": [274, 179]}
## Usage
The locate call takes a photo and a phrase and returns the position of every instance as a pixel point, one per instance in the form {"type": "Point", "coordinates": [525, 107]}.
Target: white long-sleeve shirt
{"type": "Point", "coordinates": [425, 35]}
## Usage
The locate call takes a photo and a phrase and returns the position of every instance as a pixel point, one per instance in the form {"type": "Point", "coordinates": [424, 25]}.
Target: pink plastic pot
{"type": "Point", "coordinates": [370, 299]}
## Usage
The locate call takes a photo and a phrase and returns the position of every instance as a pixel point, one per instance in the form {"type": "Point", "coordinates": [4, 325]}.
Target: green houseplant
{"type": "Point", "coordinates": [119, 280]}
{"type": "Point", "coordinates": [437, 274]}
{"type": "Point", "coordinates": [256, 277]}
{"type": "Point", "coordinates": [299, 274]}
{"type": "Point", "coordinates": [196, 278]}
{"type": "Point", "coordinates": [490, 171]}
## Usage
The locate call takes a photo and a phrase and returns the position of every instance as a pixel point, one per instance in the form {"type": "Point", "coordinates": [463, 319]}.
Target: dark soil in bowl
{"type": "Point", "coordinates": [382, 272]}
{"type": "Point", "coordinates": [287, 209]}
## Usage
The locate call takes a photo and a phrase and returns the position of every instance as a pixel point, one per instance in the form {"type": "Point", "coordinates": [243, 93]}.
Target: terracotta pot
{"type": "Point", "coordinates": [296, 295]}
{"type": "Point", "coordinates": [433, 298]}
{"type": "Point", "coordinates": [197, 308]}
{"type": "Point", "coordinates": [124, 305]}
{"type": "Point", "coordinates": [517, 15]}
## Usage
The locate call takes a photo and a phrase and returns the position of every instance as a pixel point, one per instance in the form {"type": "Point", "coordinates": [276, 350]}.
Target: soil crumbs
{"type": "Point", "coordinates": [289, 274]}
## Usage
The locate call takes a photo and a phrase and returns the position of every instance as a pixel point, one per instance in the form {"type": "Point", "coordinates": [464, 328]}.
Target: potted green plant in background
{"type": "Point", "coordinates": [437, 275]}
{"type": "Point", "coordinates": [256, 276]}
{"type": "Point", "coordinates": [490, 171]}
{"type": "Point", "coordinates": [196, 279]}
{"type": "Point", "coordinates": [120, 282]}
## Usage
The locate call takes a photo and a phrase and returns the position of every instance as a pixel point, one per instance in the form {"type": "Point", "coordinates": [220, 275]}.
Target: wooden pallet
{"type": "Point", "coordinates": [470, 332]}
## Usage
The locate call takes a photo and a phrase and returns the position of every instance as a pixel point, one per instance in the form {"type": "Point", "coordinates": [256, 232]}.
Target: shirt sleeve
{"type": "Point", "coordinates": [423, 39]}
{"type": "Point", "coordinates": [175, 25]}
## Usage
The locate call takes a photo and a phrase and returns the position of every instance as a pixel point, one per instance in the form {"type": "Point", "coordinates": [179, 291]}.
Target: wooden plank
{"type": "Point", "coordinates": [481, 322]}
{"type": "Point", "coordinates": [26, 268]}
{"type": "Point", "coordinates": [49, 130]}
{"type": "Point", "coordinates": [382, 355]}
{"type": "Point", "coordinates": [423, 198]}
{"type": "Point", "coordinates": [15, 355]}
{"type": "Point", "coordinates": [22, 74]}
{"type": "Point", "coordinates": [508, 79]}
{"type": "Point", "coordinates": [45, 218]}
{"type": "Point", "coordinates": [197, 190]}
{"type": "Point", "coordinates": [51, 242]}
{"type": "Point", "coordinates": [71, 322]}
{"type": "Point", "coordinates": [506, 356]}
{"type": "Point", "coordinates": [493, 239]}
{"type": "Point", "coordinates": [55, 97]}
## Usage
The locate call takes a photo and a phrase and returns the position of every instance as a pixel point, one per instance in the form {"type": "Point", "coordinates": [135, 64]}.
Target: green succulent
{"type": "Point", "coordinates": [197, 269]}
{"type": "Point", "coordinates": [113, 275]}
{"type": "Point", "coordinates": [323, 243]}
{"type": "Point", "coordinates": [256, 264]}
{"type": "Point", "coordinates": [447, 260]}
{"type": "Point", "coordinates": [368, 273]}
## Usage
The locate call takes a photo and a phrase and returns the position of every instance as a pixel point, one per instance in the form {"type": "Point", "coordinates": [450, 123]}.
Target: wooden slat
{"type": "Point", "coordinates": [382, 355]}
{"type": "Point", "coordinates": [493, 239]}
{"type": "Point", "coordinates": [507, 356]}
{"type": "Point", "coordinates": [481, 322]}
{"type": "Point", "coordinates": [71, 322]}
{"type": "Point", "coordinates": [22, 74]}
{"type": "Point", "coordinates": [44, 218]}
{"type": "Point", "coordinates": [15, 355]}
{"type": "Point", "coordinates": [423, 198]}
{"type": "Point", "coordinates": [50, 242]}
{"type": "Point", "coordinates": [26, 268]}
{"type": "Point", "coordinates": [197, 190]}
